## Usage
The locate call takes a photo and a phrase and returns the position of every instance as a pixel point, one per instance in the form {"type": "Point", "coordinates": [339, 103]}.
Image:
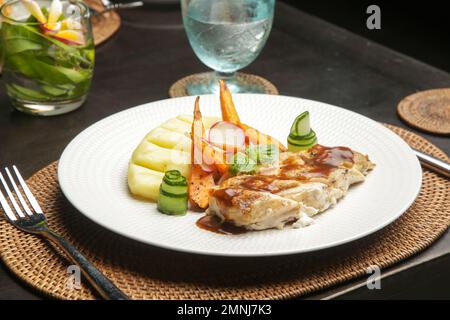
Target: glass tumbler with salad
{"type": "Point", "coordinates": [48, 54]}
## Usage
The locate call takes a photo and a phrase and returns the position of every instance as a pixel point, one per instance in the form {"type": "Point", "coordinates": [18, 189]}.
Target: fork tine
{"type": "Point", "coordinates": [11, 197]}
{"type": "Point", "coordinates": [18, 193]}
{"type": "Point", "coordinates": [6, 208]}
{"type": "Point", "coordinates": [27, 191]}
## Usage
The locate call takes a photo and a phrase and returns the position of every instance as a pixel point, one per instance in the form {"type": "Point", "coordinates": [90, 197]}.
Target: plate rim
{"type": "Point", "coordinates": [341, 242]}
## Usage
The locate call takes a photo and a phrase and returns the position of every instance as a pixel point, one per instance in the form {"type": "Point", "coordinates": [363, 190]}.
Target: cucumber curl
{"type": "Point", "coordinates": [301, 137]}
{"type": "Point", "coordinates": [173, 194]}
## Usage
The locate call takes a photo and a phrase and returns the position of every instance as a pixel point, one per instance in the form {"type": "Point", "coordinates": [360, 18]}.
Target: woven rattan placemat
{"type": "Point", "coordinates": [146, 272]}
{"type": "Point", "coordinates": [427, 110]}
{"type": "Point", "coordinates": [104, 26]}
{"type": "Point", "coordinates": [178, 89]}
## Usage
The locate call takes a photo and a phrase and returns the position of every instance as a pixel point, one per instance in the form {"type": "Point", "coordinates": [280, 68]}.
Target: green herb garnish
{"type": "Point", "coordinates": [263, 154]}
{"type": "Point", "coordinates": [242, 163]}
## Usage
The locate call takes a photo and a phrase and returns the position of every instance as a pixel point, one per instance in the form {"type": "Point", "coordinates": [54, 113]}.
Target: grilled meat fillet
{"type": "Point", "coordinates": [298, 186]}
{"type": "Point", "coordinates": [253, 209]}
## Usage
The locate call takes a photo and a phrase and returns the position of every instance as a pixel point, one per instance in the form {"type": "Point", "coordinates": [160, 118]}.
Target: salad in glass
{"type": "Point", "coordinates": [48, 53]}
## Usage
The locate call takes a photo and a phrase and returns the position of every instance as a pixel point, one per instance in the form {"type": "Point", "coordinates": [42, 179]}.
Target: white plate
{"type": "Point", "coordinates": [93, 175]}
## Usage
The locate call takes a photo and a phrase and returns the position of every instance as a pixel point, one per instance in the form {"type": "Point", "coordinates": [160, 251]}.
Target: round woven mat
{"type": "Point", "coordinates": [146, 272]}
{"type": "Point", "coordinates": [427, 110]}
{"type": "Point", "coordinates": [178, 89]}
{"type": "Point", "coordinates": [105, 25]}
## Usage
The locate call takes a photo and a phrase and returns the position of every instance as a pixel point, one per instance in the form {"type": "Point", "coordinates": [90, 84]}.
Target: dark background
{"type": "Point", "coordinates": [420, 29]}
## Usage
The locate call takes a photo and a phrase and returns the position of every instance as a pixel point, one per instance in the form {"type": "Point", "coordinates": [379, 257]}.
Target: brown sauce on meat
{"type": "Point", "coordinates": [330, 156]}
{"type": "Point", "coordinates": [213, 224]}
{"type": "Point", "coordinates": [226, 195]}
{"type": "Point", "coordinates": [260, 183]}
{"type": "Point", "coordinates": [319, 162]}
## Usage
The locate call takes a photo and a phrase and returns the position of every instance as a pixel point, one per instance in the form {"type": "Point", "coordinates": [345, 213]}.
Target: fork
{"type": "Point", "coordinates": [108, 6]}
{"type": "Point", "coordinates": [36, 223]}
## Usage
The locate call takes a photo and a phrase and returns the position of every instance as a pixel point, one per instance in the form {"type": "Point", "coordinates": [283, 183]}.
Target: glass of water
{"type": "Point", "coordinates": [226, 35]}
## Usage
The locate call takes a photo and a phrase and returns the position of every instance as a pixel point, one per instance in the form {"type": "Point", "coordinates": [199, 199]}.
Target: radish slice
{"type": "Point", "coordinates": [207, 168]}
{"type": "Point", "coordinates": [227, 136]}
{"type": "Point", "coordinates": [229, 155]}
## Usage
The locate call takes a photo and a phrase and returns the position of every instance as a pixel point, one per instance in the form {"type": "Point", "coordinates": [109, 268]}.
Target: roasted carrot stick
{"type": "Point", "coordinates": [200, 182]}
{"type": "Point", "coordinates": [215, 157]}
{"type": "Point", "coordinates": [227, 107]}
{"type": "Point", "coordinates": [256, 137]}
{"type": "Point", "coordinates": [230, 114]}
{"type": "Point", "coordinates": [210, 155]}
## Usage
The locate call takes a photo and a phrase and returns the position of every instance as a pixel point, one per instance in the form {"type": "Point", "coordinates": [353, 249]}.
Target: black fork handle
{"type": "Point", "coordinates": [98, 280]}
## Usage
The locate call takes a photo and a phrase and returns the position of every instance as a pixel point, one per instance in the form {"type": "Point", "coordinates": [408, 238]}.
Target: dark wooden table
{"type": "Point", "coordinates": [304, 57]}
